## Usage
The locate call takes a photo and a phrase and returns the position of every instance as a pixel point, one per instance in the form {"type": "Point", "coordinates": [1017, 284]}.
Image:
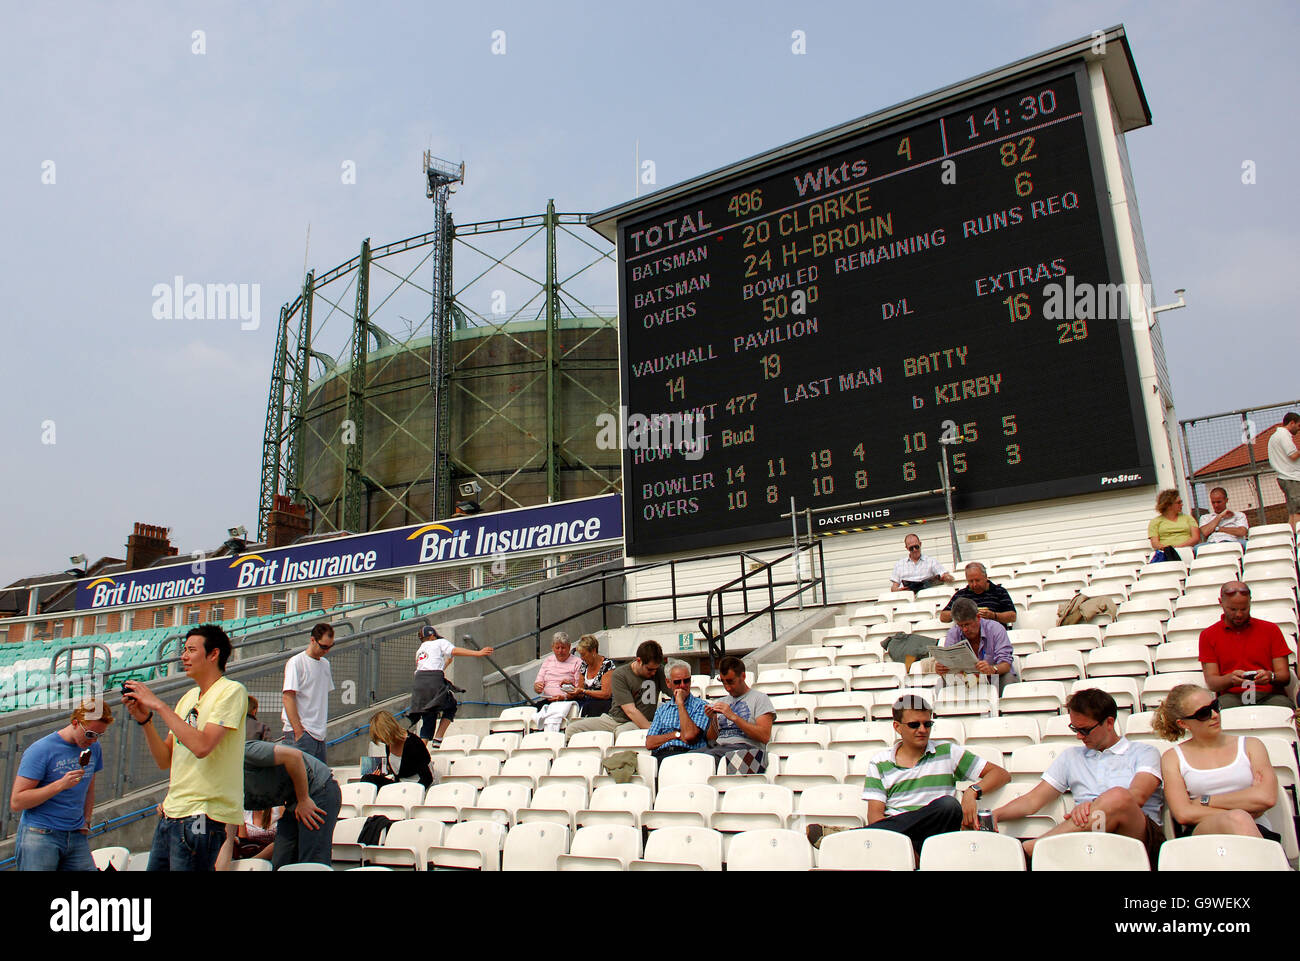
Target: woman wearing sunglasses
{"type": "Point", "coordinates": [1215, 783]}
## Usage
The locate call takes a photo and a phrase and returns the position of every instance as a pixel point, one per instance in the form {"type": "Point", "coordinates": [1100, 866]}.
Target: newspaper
{"type": "Point", "coordinates": [957, 657]}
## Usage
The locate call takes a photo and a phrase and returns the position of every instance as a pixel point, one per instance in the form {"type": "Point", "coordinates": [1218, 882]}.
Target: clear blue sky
{"type": "Point", "coordinates": [211, 166]}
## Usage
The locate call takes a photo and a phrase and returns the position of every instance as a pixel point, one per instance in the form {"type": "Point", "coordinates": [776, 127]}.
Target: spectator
{"type": "Point", "coordinates": [206, 787]}
{"type": "Point", "coordinates": [987, 638]}
{"type": "Point", "coordinates": [633, 691]}
{"type": "Point", "coordinates": [681, 724]}
{"type": "Point", "coordinates": [1244, 659]}
{"type": "Point", "coordinates": [432, 695]}
{"type": "Point", "coordinates": [1224, 526]}
{"type": "Point", "coordinates": [275, 774]}
{"type": "Point", "coordinates": [991, 600]}
{"type": "Point", "coordinates": [55, 791]}
{"type": "Point", "coordinates": [1215, 783]}
{"type": "Point", "coordinates": [916, 571]}
{"type": "Point", "coordinates": [1284, 458]}
{"type": "Point", "coordinates": [595, 679]}
{"type": "Point", "coordinates": [557, 681]}
{"type": "Point", "coordinates": [407, 759]}
{"type": "Point", "coordinates": [911, 788]}
{"type": "Point", "coordinates": [255, 730]}
{"type": "Point", "coordinates": [308, 681]}
{"type": "Point", "coordinates": [744, 717]}
{"type": "Point", "coordinates": [1115, 782]}
{"type": "Point", "coordinates": [1171, 530]}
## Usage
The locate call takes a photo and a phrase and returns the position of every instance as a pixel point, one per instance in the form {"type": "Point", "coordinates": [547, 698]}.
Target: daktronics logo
{"type": "Point", "coordinates": [1120, 479]}
{"type": "Point", "coordinates": [838, 519]}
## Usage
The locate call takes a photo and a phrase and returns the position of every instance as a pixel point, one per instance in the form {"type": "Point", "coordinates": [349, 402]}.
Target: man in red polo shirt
{"type": "Point", "coordinates": [1244, 658]}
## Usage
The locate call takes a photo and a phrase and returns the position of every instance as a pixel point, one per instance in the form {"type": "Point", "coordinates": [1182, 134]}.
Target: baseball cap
{"type": "Point", "coordinates": [428, 631]}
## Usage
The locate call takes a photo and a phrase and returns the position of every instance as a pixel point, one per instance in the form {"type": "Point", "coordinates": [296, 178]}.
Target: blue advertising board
{"type": "Point", "coordinates": [569, 524]}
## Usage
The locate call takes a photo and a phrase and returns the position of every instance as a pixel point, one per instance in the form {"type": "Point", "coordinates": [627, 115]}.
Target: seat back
{"type": "Point", "coordinates": [972, 851]}
{"type": "Point", "coordinates": [684, 845]}
{"type": "Point", "coordinates": [769, 849]}
{"type": "Point", "coordinates": [685, 769]}
{"type": "Point", "coordinates": [534, 846]}
{"type": "Point", "coordinates": [1222, 852]}
{"type": "Point", "coordinates": [1090, 851]}
{"type": "Point", "coordinates": [866, 850]}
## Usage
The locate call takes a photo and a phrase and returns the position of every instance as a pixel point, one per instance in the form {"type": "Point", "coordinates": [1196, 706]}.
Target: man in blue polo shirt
{"type": "Point", "coordinates": [1115, 782]}
{"type": "Point", "coordinates": [55, 790]}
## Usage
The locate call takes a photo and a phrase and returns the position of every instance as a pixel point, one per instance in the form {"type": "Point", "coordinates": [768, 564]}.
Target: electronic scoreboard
{"type": "Point", "coordinates": [815, 327]}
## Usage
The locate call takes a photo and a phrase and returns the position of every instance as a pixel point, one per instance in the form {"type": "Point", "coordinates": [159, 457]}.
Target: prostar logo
{"type": "Point", "coordinates": [1120, 479]}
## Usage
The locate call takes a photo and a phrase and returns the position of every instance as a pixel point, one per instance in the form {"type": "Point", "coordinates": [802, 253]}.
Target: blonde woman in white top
{"type": "Point", "coordinates": [1215, 783]}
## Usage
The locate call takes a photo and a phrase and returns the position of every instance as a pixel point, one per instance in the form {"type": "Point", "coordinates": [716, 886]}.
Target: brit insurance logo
{"type": "Point", "coordinates": [106, 592]}
{"type": "Point", "coordinates": [435, 547]}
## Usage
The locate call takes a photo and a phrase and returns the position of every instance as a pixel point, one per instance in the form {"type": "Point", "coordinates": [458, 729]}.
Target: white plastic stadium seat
{"type": "Point", "coordinates": [685, 769]}
{"type": "Point", "coordinates": [866, 850]}
{"type": "Point", "coordinates": [116, 856]}
{"type": "Point", "coordinates": [681, 848]}
{"type": "Point", "coordinates": [1074, 637]}
{"type": "Point", "coordinates": [472, 845]}
{"type": "Point", "coordinates": [499, 745]}
{"type": "Point", "coordinates": [251, 864]}
{"type": "Point", "coordinates": [804, 658]}
{"type": "Point", "coordinates": [1134, 631]}
{"type": "Point", "coordinates": [1119, 660]}
{"type": "Point", "coordinates": [616, 804]}
{"type": "Point", "coordinates": [1053, 665]}
{"type": "Point", "coordinates": [407, 844]}
{"type": "Point", "coordinates": [1222, 852]}
{"type": "Point", "coordinates": [972, 851]}
{"type": "Point", "coordinates": [395, 800]}
{"type": "Point", "coordinates": [602, 847]}
{"type": "Point", "coordinates": [555, 803]}
{"type": "Point", "coordinates": [517, 719]}
{"type": "Point", "coordinates": [749, 806]}
{"type": "Point", "coordinates": [534, 846]}
{"type": "Point", "coordinates": [1032, 697]}
{"type": "Point", "coordinates": [445, 801]}
{"type": "Point", "coordinates": [1090, 851]}
{"type": "Point", "coordinates": [681, 805]}
{"type": "Point", "coordinates": [835, 804]}
{"type": "Point", "coordinates": [356, 795]}
{"type": "Point", "coordinates": [770, 850]}
{"type": "Point", "coordinates": [806, 769]}
{"type": "Point", "coordinates": [1124, 690]}
{"type": "Point", "coordinates": [498, 802]}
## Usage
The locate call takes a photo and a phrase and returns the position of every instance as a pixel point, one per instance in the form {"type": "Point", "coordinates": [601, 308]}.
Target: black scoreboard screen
{"type": "Point", "coordinates": [816, 328]}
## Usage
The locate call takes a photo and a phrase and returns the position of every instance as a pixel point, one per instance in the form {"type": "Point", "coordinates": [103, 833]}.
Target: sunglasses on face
{"type": "Point", "coordinates": [1204, 713]}
{"type": "Point", "coordinates": [324, 647]}
{"type": "Point", "coordinates": [915, 724]}
{"type": "Point", "coordinates": [915, 547]}
{"type": "Point", "coordinates": [89, 734]}
{"type": "Point", "coordinates": [1084, 731]}
{"type": "Point", "coordinates": [680, 683]}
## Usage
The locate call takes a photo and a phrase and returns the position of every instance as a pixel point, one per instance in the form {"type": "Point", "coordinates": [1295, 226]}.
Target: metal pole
{"type": "Point", "coordinates": [1248, 436]}
{"type": "Point", "coordinates": [947, 500]}
{"type": "Point", "coordinates": [798, 568]}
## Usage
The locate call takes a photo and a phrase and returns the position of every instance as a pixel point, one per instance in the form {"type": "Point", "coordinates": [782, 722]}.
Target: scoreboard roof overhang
{"type": "Point", "coordinates": [1117, 63]}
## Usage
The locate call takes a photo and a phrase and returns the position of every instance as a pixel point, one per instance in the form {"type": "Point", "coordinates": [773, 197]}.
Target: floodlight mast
{"type": "Point", "coordinates": [439, 177]}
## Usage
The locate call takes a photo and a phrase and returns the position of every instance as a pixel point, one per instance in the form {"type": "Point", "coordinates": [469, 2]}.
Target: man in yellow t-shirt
{"type": "Point", "coordinates": [204, 751]}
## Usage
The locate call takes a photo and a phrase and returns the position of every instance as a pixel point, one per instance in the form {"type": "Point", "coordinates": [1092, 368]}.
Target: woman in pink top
{"type": "Point", "coordinates": [557, 679]}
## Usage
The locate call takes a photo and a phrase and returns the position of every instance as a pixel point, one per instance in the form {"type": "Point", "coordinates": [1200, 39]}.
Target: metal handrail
{"type": "Point", "coordinates": [717, 640]}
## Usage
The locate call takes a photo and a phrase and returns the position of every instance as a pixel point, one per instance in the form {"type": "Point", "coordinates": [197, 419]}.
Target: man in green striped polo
{"type": "Point", "coordinates": [910, 788]}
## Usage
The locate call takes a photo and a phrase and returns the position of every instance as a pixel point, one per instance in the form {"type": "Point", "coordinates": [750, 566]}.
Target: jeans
{"type": "Point", "coordinates": [43, 849]}
{"type": "Point", "coordinates": [308, 745]}
{"type": "Point", "coordinates": [295, 843]}
{"type": "Point", "coordinates": [186, 844]}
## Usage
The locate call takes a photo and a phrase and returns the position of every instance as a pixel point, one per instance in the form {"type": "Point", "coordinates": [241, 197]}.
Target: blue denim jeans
{"type": "Point", "coordinates": [186, 844]}
{"type": "Point", "coordinates": [42, 849]}
{"type": "Point", "coordinates": [296, 843]}
{"type": "Point", "coordinates": [308, 745]}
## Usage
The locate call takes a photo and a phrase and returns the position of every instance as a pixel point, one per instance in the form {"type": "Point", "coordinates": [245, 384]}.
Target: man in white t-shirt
{"type": "Point", "coordinates": [308, 681]}
{"type": "Point", "coordinates": [1284, 458]}
{"type": "Point", "coordinates": [1223, 525]}
{"type": "Point", "coordinates": [432, 695]}
{"type": "Point", "coordinates": [916, 570]}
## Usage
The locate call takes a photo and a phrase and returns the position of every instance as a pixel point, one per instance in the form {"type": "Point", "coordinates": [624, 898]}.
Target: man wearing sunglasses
{"type": "Point", "coordinates": [55, 791]}
{"type": "Point", "coordinates": [917, 571]}
{"type": "Point", "coordinates": [911, 787]}
{"type": "Point", "coordinates": [1115, 782]}
{"type": "Point", "coordinates": [1244, 659]}
{"type": "Point", "coordinates": [681, 724]}
{"type": "Point", "coordinates": [308, 680]}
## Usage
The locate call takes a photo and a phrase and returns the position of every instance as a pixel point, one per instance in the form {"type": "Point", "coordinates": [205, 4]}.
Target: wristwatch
{"type": "Point", "coordinates": [978, 792]}
{"type": "Point", "coordinates": [1205, 800]}
{"type": "Point", "coordinates": [677, 735]}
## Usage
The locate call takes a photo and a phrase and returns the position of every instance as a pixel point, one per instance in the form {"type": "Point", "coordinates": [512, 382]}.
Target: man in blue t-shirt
{"type": "Point", "coordinates": [55, 790]}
